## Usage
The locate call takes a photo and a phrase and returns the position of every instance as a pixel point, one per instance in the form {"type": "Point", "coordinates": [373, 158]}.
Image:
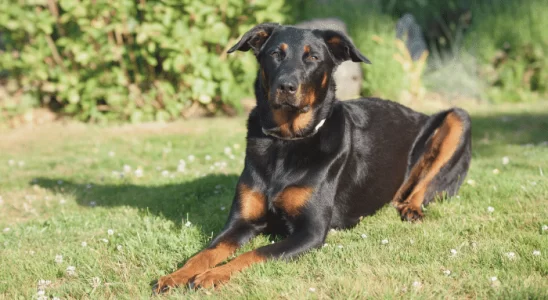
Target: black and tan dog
{"type": "Point", "coordinates": [314, 163]}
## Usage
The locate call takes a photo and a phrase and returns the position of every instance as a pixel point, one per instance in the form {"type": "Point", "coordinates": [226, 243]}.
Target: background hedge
{"type": "Point", "coordinates": [101, 60]}
{"type": "Point", "coordinates": [125, 59]}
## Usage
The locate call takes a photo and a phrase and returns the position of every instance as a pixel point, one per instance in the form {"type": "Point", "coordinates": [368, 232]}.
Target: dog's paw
{"type": "Point", "coordinates": [168, 282]}
{"type": "Point", "coordinates": [211, 278]}
{"type": "Point", "coordinates": [409, 212]}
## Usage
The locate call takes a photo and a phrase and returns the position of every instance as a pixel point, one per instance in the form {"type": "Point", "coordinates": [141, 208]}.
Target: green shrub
{"type": "Point", "coordinates": [510, 40]}
{"type": "Point", "coordinates": [132, 60]}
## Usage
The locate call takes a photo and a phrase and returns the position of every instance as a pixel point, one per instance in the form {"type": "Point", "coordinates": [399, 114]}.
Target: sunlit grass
{"type": "Point", "coordinates": [73, 191]}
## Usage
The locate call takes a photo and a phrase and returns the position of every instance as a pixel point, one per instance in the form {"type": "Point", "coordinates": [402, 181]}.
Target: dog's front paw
{"type": "Point", "coordinates": [211, 278]}
{"type": "Point", "coordinates": [168, 282]}
{"type": "Point", "coordinates": [409, 212]}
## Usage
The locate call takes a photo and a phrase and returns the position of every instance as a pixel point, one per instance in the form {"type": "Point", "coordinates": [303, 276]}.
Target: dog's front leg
{"type": "Point", "coordinates": [246, 220]}
{"type": "Point", "coordinates": [311, 230]}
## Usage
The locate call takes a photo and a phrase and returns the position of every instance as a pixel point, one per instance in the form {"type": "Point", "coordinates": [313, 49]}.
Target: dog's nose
{"type": "Point", "coordinates": [288, 87]}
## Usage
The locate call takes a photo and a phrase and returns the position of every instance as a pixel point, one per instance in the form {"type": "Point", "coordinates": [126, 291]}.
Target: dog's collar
{"type": "Point", "coordinates": [316, 129]}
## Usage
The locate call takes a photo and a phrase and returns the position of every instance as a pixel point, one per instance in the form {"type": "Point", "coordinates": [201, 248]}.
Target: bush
{"type": "Point", "coordinates": [510, 40]}
{"type": "Point", "coordinates": [102, 60]}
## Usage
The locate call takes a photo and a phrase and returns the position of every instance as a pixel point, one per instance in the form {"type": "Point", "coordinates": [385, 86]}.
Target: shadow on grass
{"type": "Point", "coordinates": [204, 201]}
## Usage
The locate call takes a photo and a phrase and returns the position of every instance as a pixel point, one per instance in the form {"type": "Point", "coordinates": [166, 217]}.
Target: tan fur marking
{"type": "Point", "coordinates": [198, 264]}
{"type": "Point", "coordinates": [301, 121]}
{"type": "Point", "coordinates": [282, 120]}
{"type": "Point", "coordinates": [283, 46]}
{"type": "Point", "coordinates": [293, 198]}
{"type": "Point", "coordinates": [324, 80]}
{"type": "Point", "coordinates": [220, 275]}
{"type": "Point", "coordinates": [444, 143]}
{"type": "Point", "coordinates": [253, 203]}
{"type": "Point", "coordinates": [334, 40]}
{"type": "Point", "coordinates": [306, 49]}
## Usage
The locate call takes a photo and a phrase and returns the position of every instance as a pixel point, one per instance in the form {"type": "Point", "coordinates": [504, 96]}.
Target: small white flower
{"type": "Point", "coordinates": [227, 151]}
{"type": "Point", "coordinates": [340, 246]}
{"type": "Point", "coordinates": [312, 290]}
{"type": "Point", "coordinates": [325, 245]}
{"type": "Point", "coordinates": [104, 241]}
{"type": "Point", "coordinates": [71, 270]}
{"type": "Point", "coordinates": [232, 157]}
{"type": "Point", "coordinates": [490, 209]}
{"type": "Point", "coordinates": [447, 272]}
{"type": "Point", "coordinates": [182, 166]}
{"type": "Point", "coordinates": [11, 162]}
{"type": "Point", "coordinates": [21, 163]}
{"type": "Point", "coordinates": [453, 252]}
{"type": "Point", "coordinates": [411, 241]}
{"type": "Point", "coordinates": [417, 284]}
{"type": "Point", "coordinates": [496, 171]}
{"type": "Point", "coordinates": [119, 247]}
{"type": "Point", "coordinates": [510, 255]}
{"type": "Point", "coordinates": [544, 227]}
{"type": "Point", "coordinates": [364, 236]}
{"type": "Point", "coordinates": [207, 157]}
{"type": "Point", "coordinates": [110, 232]}
{"type": "Point", "coordinates": [223, 208]}
{"type": "Point", "coordinates": [505, 160]}
{"type": "Point", "coordinates": [58, 258]}
{"type": "Point", "coordinates": [236, 146]}
{"type": "Point", "coordinates": [62, 201]}
{"type": "Point", "coordinates": [191, 158]}
{"type": "Point", "coordinates": [188, 224]}
{"type": "Point", "coordinates": [471, 182]}
{"type": "Point", "coordinates": [55, 298]}
{"type": "Point", "coordinates": [111, 153]}
{"type": "Point", "coordinates": [536, 253]}
{"type": "Point", "coordinates": [42, 284]}
{"type": "Point", "coordinates": [384, 242]}
{"type": "Point", "coordinates": [218, 187]}
{"type": "Point", "coordinates": [93, 204]}
{"type": "Point", "coordinates": [127, 168]}
{"type": "Point", "coordinates": [59, 182]}
{"type": "Point", "coordinates": [41, 293]}
{"type": "Point", "coordinates": [138, 172]}
{"type": "Point", "coordinates": [165, 173]}
{"type": "Point", "coordinates": [95, 282]}
{"type": "Point", "coordinates": [7, 229]}
{"type": "Point", "coordinates": [84, 244]}
{"type": "Point", "coordinates": [493, 279]}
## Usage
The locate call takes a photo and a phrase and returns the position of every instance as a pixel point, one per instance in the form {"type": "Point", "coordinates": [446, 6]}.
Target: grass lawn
{"type": "Point", "coordinates": [77, 220]}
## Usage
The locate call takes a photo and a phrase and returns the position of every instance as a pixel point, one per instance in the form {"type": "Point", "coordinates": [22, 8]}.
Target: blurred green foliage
{"type": "Point", "coordinates": [131, 60]}
{"type": "Point", "coordinates": [100, 60]}
{"type": "Point", "coordinates": [505, 40]}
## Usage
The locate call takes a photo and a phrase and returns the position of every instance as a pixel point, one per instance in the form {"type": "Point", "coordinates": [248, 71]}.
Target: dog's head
{"type": "Point", "coordinates": [295, 88]}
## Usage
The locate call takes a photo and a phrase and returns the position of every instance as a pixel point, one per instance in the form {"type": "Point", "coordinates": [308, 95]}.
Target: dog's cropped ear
{"type": "Point", "coordinates": [341, 47]}
{"type": "Point", "coordinates": [255, 38]}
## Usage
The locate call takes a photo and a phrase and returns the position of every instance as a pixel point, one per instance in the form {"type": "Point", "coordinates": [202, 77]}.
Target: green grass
{"type": "Point", "coordinates": [47, 206]}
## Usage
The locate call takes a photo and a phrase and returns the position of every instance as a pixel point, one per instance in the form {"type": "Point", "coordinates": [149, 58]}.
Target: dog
{"type": "Point", "coordinates": [314, 163]}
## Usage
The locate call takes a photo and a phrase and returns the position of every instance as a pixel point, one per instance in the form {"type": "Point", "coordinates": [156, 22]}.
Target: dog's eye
{"type": "Point", "coordinates": [275, 54]}
{"type": "Point", "coordinates": [312, 57]}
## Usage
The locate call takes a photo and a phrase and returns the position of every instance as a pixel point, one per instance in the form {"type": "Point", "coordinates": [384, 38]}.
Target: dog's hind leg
{"type": "Point", "coordinates": [437, 164]}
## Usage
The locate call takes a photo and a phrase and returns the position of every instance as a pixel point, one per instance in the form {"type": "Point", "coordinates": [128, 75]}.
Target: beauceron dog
{"type": "Point", "coordinates": [314, 163]}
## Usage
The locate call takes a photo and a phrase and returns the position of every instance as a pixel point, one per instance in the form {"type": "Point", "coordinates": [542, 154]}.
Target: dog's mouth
{"type": "Point", "coordinates": [290, 107]}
